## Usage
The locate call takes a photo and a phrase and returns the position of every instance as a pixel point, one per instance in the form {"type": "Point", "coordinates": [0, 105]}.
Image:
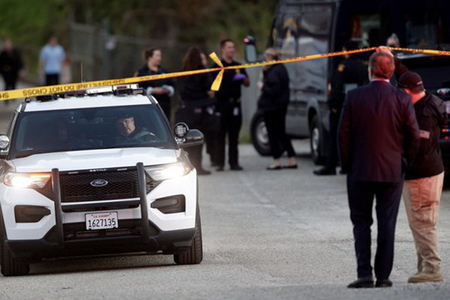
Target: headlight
{"type": "Point", "coordinates": [169, 171]}
{"type": "Point", "coordinates": [26, 180]}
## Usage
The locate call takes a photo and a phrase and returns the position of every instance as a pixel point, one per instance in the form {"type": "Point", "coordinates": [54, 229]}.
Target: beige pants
{"type": "Point", "coordinates": [422, 197]}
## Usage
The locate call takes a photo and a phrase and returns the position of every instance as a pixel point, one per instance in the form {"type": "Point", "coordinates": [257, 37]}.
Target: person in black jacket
{"type": "Point", "coordinates": [162, 89]}
{"type": "Point", "coordinates": [424, 179]}
{"type": "Point", "coordinates": [196, 101]}
{"type": "Point", "coordinates": [273, 102]}
{"type": "Point", "coordinates": [350, 73]}
{"type": "Point", "coordinates": [229, 106]}
{"type": "Point", "coordinates": [11, 65]}
{"type": "Point", "coordinates": [378, 137]}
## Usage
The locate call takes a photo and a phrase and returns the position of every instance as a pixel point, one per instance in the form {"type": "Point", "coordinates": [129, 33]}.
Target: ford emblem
{"type": "Point", "coordinates": [99, 182]}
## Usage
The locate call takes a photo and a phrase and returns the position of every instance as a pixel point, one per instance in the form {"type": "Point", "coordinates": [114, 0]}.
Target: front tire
{"type": "Point", "coordinates": [316, 141]}
{"type": "Point", "coordinates": [195, 253]}
{"type": "Point", "coordinates": [259, 135]}
{"type": "Point", "coordinates": [10, 265]}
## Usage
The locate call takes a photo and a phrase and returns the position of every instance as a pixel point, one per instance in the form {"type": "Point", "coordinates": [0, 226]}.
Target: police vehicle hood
{"type": "Point", "coordinates": [95, 159]}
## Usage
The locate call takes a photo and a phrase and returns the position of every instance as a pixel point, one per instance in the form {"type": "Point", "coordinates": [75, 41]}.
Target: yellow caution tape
{"type": "Point", "coordinates": [423, 51]}
{"type": "Point", "coordinates": [64, 88]}
{"type": "Point", "coordinates": [218, 81]}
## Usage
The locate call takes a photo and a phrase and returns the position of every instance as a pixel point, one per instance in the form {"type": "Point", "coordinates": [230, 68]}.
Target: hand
{"type": "Point", "coordinates": [384, 49]}
{"type": "Point", "coordinates": [239, 77]}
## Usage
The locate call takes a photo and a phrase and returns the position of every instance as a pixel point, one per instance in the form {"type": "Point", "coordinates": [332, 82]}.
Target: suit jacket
{"type": "Point", "coordinates": [378, 133]}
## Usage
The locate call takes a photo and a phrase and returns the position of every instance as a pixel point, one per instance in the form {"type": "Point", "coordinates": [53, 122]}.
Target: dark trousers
{"type": "Point", "coordinates": [10, 81]}
{"type": "Point", "coordinates": [276, 128]}
{"type": "Point", "coordinates": [231, 122]}
{"type": "Point", "coordinates": [361, 196]}
{"type": "Point", "coordinates": [333, 155]}
{"type": "Point", "coordinates": [51, 79]}
{"type": "Point", "coordinates": [211, 145]}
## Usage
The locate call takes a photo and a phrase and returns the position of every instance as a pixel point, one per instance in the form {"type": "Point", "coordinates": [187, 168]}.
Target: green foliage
{"type": "Point", "coordinates": [30, 23]}
{"type": "Point", "coordinates": [201, 22]}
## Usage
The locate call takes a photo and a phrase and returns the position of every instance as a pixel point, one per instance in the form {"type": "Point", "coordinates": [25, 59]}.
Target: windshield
{"type": "Point", "coordinates": [427, 30]}
{"type": "Point", "coordinates": [300, 31]}
{"type": "Point", "coordinates": [405, 23]}
{"type": "Point", "coordinates": [90, 128]}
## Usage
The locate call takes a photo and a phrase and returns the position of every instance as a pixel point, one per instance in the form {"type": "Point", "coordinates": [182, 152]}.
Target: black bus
{"type": "Point", "coordinates": [304, 27]}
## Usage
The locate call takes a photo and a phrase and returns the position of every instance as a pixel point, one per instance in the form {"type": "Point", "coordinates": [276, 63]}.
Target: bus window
{"type": "Point", "coordinates": [427, 30]}
{"type": "Point", "coordinates": [289, 35]}
{"type": "Point", "coordinates": [313, 38]}
{"type": "Point", "coordinates": [366, 30]}
{"type": "Point", "coordinates": [284, 37]}
{"type": "Point", "coordinates": [285, 31]}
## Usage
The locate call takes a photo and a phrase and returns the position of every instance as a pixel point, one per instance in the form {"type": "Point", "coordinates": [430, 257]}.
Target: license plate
{"type": "Point", "coordinates": [106, 220]}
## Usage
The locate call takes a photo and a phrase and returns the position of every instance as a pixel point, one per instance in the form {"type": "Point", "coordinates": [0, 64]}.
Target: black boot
{"type": "Point", "coordinates": [325, 171]}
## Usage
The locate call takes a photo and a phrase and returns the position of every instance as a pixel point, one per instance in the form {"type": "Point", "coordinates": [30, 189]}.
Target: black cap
{"type": "Point", "coordinates": [411, 81]}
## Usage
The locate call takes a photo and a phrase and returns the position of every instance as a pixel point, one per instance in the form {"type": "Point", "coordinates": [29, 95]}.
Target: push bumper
{"type": "Point", "coordinates": [72, 239]}
{"type": "Point", "coordinates": [49, 247]}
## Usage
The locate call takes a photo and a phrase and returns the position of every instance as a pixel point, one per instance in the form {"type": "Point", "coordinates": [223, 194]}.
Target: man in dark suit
{"type": "Point", "coordinates": [378, 136]}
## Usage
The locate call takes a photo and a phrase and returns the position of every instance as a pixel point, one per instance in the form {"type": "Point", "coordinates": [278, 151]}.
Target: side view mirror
{"type": "Point", "coordinates": [251, 55]}
{"type": "Point", "coordinates": [4, 145]}
{"type": "Point", "coordinates": [186, 137]}
{"type": "Point", "coordinates": [4, 142]}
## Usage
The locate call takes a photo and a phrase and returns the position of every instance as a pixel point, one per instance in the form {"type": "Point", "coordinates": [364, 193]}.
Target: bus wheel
{"type": "Point", "coordinates": [258, 132]}
{"type": "Point", "coordinates": [315, 141]}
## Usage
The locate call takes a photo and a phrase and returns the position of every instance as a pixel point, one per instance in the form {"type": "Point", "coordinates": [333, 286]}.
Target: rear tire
{"type": "Point", "coordinates": [258, 133]}
{"type": "Point", "coordinates": [195, 253]}
{"type": "Point", "coordinates": [10, 265]}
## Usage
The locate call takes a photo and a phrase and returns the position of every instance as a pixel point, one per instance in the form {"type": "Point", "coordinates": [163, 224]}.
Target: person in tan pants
{"type": "Point", "coordinates": [424, 179]}
{"type": "Point", "coordinates": [422, 197]}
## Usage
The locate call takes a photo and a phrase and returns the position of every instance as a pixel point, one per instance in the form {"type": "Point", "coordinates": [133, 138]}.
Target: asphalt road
{"type": "Point", "coordinates": [267, 235]}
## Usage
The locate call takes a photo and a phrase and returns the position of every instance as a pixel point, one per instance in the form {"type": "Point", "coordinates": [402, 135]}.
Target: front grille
{"type": "Point", "coordinates": [78, 188]}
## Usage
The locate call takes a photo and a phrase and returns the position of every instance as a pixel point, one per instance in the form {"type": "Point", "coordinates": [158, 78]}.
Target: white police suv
{"type": "Point", "coordinates": [96, 172]}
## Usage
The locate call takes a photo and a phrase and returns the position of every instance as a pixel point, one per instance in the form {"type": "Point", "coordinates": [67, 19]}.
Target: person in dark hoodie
{"type": "Point", "coordinates": [273, 102]}
{"type": "Point", "coordinates": [196, 99]}
{"type": "Point", "coordinates": [161, 89]}
{"type": "Point", "coordinates": [11, 65]}
{"type": "Point", "coordinates": [424, 179]}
